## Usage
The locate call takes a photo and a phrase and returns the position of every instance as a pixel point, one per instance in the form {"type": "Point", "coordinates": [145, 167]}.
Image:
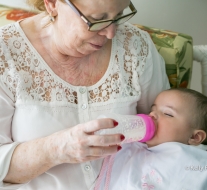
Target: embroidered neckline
{"type": "Point", "coordinates": [29, 78]}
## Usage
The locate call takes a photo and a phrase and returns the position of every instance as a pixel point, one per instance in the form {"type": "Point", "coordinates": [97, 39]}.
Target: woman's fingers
{"type": "Point", "coordinates": [95, 125]}
{"type": "Point", "coordinates": [103, 151]}
{"type": "Point", "coordinates": [104, 140]}
{"type": "Point", "coordinates": [80, 143]}
{"type": "Point", "coordinates": [94, 153]}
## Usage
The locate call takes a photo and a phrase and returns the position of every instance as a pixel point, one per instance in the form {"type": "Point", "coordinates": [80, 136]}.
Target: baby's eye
{"type": "Point", "coordinates": [167, 114]}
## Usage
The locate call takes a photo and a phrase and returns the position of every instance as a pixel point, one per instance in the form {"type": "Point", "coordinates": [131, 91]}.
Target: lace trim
{"type": "Point", "coordinates": [23, 72]}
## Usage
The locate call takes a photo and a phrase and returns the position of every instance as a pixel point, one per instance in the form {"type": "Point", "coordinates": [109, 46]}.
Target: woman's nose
{"type": "Point", "coordinates": [109, 31]}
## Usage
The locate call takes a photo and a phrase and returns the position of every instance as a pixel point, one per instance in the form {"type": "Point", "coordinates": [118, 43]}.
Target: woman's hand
{"type": "Point", "coordinates": [80, 144]}
{"type": "Point", "coordinates": [77, 144]}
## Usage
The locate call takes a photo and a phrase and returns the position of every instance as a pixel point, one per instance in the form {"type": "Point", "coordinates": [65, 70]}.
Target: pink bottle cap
{"type": "Point", "coordinates": [150, 127]}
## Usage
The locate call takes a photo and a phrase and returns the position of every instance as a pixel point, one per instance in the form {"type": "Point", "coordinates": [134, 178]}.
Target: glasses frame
{"type": "Point", "coordinates": [90, 24]}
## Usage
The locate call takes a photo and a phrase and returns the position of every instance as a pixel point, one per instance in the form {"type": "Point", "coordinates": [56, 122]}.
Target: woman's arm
{"type": "Point", "coordinates": [74, 145]}
{"type": "Point", "coordinates": [18, 162]}
{"type": "Point", "coordinates": [21, 162]}
{"type": "Point", "coordinates": [29, 160]}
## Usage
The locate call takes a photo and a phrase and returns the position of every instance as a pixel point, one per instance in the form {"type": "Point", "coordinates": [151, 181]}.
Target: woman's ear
{"type": "Point", "coordinates": [50, 6]}
{"type": "Point", "coordinates": [197, 138]}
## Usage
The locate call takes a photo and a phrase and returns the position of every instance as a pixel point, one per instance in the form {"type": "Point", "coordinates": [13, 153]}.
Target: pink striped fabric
{"type": "Point", "coordinates": [106, 169]}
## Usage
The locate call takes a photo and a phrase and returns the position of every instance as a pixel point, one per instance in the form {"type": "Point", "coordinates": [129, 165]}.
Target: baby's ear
{"type": "Point", "coordinates": [197, 138]}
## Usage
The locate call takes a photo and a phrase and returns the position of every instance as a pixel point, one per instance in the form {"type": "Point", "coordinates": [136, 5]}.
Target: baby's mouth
{"type": "Point", "coordinates": [155, 126]}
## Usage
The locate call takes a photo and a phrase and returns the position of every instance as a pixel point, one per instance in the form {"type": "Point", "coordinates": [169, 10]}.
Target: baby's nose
{"type": "Point", "coordinates": [153, 115]}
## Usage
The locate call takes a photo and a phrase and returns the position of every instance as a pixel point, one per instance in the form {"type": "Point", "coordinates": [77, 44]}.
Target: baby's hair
{"type": "Point", "coordinates": [200, 114]}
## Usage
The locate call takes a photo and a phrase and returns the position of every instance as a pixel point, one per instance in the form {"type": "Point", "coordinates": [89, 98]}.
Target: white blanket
{"type": "Point", "coordinates": [169, 166]}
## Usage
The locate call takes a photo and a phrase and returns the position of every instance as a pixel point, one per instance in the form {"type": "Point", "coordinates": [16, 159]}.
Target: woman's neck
{"type": "Point", "coordinates": [79, 71]}
{"type": "Point", "coordinates": [85, 71]}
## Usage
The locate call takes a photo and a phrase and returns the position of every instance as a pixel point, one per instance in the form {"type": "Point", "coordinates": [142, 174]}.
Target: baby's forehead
{"type": "Point", "coordinates": [176, 96]}
{"type": "Point", "coordinates": [176, 93]}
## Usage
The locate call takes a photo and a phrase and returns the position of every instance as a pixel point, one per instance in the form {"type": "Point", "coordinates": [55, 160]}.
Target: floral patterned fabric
{"type": "Point", "coordinates": [177, 51]}
{"type": "Point", "coordinates": [9, 15]}
{"type": "Point", "coordinates": [175, 48]}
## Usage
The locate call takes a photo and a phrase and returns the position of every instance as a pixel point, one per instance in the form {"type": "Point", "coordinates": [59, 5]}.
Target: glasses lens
{"type": "Point", "coordinates": [127, 14]}
{"type": "Point", "coordinates": [100, 26]}
{"type": "Point", "coordinates": [124, 19]}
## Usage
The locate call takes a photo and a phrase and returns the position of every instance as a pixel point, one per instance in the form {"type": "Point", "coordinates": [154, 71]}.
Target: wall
{"type": "Point", "coordinates": [185, 16]}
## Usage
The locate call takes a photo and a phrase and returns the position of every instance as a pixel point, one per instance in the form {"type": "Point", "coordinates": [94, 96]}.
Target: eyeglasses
{"type": "Point", "coordinates": [99, 25]}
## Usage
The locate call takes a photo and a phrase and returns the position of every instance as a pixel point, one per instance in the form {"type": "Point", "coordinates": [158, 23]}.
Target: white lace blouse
{"type": "Point", "coordinates": [35, 102]}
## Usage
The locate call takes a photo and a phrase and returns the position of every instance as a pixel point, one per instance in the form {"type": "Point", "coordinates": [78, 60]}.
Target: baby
{"type": "Point", "coordinates": [180, 116]}
{"type": "Point", "coordinates": [166, 161]}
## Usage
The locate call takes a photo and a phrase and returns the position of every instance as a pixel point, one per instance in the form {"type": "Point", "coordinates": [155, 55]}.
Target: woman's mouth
{"type": "Point", "coordinates": [97, 47]}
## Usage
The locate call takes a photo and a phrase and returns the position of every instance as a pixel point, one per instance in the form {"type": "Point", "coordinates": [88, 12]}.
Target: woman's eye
{"type": "Point", "coordinates": [119, 15]}
{"type": "Point", "coordinates": [98, 19]}
{"type": "Point", "coordinates": [170, 115]}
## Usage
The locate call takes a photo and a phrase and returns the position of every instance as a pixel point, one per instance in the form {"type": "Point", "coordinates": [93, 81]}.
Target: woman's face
{"type": "Point", "coordinates": [172, 116]}
{"type": "Point", "coordinates": [71, 33]}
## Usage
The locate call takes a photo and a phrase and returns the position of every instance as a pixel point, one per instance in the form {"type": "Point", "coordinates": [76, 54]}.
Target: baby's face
{"type": "Point", "coordinates": [171, 113]}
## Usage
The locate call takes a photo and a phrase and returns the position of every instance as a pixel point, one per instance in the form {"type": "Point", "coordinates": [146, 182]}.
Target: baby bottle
{"type": "Point", "coordinates": [138, 127]}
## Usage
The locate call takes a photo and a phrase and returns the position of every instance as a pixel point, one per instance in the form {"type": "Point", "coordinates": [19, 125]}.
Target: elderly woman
{"type": "Point", "coordinates": [59, 71]}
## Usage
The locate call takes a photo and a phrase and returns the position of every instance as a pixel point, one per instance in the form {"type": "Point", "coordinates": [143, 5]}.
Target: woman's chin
{"type": "Point", "coordinates": [83, 53]}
